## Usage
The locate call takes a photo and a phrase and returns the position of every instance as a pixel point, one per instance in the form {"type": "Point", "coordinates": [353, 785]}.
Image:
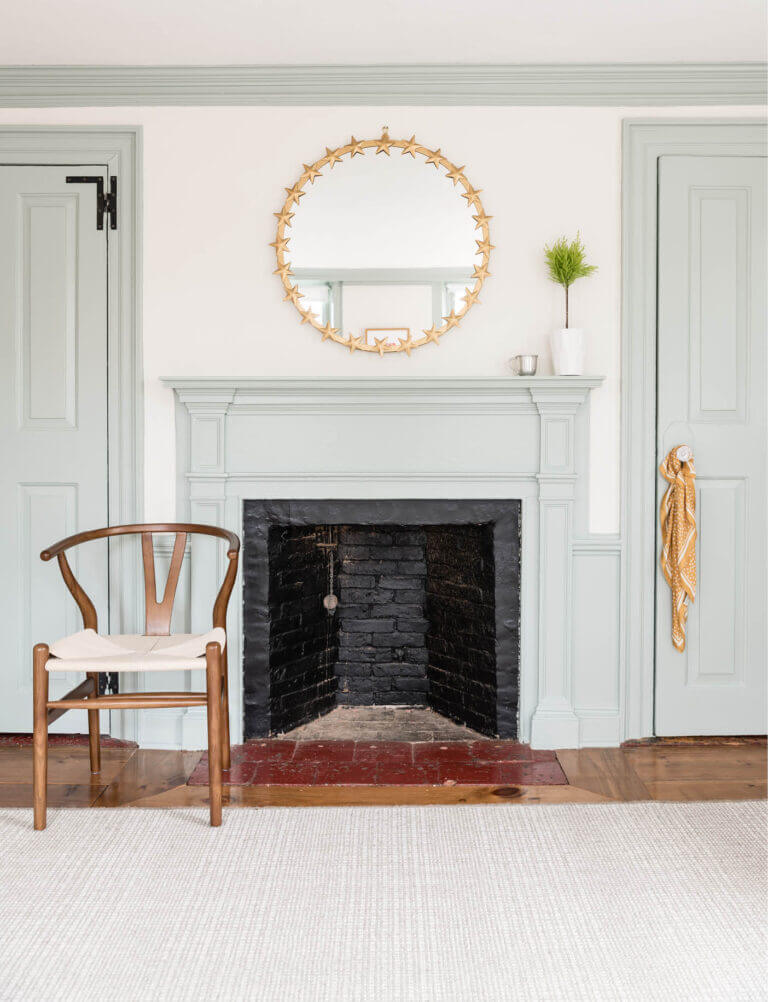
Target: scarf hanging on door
{"type": "Point", "coordinates": [678, 535]}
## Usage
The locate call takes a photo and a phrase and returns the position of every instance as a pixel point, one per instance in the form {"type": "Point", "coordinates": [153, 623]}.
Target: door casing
{"type": "Point", "coordinates": [120, 149]}
{"type": "Point", "coordinates": [644, 141]}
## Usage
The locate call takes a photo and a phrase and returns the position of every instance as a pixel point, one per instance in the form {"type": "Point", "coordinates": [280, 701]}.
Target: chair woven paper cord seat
{"type": "Point", "coordinates": [88, 650]}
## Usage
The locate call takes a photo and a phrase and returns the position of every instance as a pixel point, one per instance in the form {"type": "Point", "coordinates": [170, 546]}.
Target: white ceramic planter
{"type": "Point", "coordinates": [568, 351]}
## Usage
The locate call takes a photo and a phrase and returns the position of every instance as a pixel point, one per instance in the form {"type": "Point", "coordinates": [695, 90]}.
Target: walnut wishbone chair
{"type": "Point", "coordinates": [136, 656]}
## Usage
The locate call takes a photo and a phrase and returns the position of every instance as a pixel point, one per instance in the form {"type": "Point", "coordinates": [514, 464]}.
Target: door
{"type": "Point", "coordinates": [53, 417]}
{"type": "Point", "coordinates": [712, 396]}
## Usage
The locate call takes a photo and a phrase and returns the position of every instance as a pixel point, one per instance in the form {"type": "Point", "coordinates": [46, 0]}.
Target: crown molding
{"type": "Point", "coordinates": [624, 84]}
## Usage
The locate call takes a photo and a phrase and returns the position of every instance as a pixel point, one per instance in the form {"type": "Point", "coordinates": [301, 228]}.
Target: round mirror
{"type": "Point", "coordinates": [382, 245]}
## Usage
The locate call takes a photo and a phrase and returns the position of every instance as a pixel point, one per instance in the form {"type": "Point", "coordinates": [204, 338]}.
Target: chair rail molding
{"type": "Point", "coordinates": [622, 84]}
{"type": "Point", "coordinates": [523, 438]}
{"type": "Point", "coordinates": [644, 141]}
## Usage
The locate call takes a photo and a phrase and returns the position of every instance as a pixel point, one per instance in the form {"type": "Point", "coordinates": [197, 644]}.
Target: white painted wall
{"type": "Point", "coordinates": [212, 307]}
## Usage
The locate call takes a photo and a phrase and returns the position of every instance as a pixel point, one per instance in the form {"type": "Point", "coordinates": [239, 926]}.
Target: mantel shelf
{"type": "Point", "coordinates": [494, 384]}
{"type": "Point", "coordinates": [361, 396]}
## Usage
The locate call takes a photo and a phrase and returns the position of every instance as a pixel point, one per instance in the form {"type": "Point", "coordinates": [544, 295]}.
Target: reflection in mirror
{"type": "Point", "coordinates": [378, 243]}
{"type": "Point", "coordinates": [380, 252]}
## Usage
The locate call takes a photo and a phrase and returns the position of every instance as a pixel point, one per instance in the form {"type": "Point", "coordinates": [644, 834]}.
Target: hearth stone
{"type": "Point", "coordinates": [382, 723]}
{"type": "Point", "coordinates": [428, 612]}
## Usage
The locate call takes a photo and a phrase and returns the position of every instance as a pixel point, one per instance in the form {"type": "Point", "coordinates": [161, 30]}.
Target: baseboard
{"type": "Point", "coordinates": [599, 728]}
{"type": "Point", "coordinates": [552, 729]}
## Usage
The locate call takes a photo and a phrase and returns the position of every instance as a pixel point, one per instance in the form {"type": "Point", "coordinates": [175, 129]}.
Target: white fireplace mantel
{"type": "Point", "coordinates": [513, 437]}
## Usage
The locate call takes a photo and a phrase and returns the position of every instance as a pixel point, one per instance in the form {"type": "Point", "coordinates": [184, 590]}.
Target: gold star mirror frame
{"type": "Point", "coordinates": [408, 147]}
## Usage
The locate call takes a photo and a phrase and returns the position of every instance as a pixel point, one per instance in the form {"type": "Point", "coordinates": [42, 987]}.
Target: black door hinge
{"type": "Point", "coordinates": [106, 204]}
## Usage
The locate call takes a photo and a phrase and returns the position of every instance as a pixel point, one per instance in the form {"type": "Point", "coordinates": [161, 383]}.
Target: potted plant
{"type": "Point", "coordinates": [566, 262]}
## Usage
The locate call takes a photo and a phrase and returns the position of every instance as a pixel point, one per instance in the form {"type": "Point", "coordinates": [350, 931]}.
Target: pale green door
{"type": "Point", "coordinates": [53, 416]}
{"type": "Point", "coordinates": [712, 396]}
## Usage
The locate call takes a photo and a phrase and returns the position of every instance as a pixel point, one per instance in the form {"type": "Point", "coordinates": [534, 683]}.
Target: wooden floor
{"type": "Point", "coordinates": [147, 778]}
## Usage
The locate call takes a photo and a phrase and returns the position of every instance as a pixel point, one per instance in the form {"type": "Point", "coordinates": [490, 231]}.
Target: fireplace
{"type": "Point", "coordinates": [520, 443]}
{"type": "Point", "coordinates": [397, 603]}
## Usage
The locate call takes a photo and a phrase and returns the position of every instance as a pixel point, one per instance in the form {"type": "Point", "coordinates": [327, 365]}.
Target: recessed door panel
{"type": "Point", "coordinates": [716, 637]}
{"type": "Point", "coordinates": [719, 305]}
{"type": "Point", "coordinates": [47, 310]}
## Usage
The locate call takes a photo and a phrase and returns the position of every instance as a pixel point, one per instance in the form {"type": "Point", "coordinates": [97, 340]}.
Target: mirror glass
{"type": "Point", "coordinates": [382, 246]}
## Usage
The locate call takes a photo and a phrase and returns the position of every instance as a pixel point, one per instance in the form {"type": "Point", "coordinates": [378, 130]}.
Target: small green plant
{"type": "Point", "coordinates": [566, 263]}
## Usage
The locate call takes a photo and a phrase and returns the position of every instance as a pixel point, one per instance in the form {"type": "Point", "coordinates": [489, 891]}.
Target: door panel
{"type": "Point", "coordinates": [53, 416]}
{"type": "Point", "coordinates": [717, 643]}
{"type": "Point", "coordinates": [712, 396]}
{"type": "Point", "coordinates": [718, 302]}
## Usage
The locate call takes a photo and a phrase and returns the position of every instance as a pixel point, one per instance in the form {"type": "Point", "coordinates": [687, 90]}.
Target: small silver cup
{"type": "Point", "coordinates": [524, 365]}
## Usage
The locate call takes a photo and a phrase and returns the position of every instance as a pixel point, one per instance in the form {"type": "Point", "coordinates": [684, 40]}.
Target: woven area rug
{"type": "Point", "coordinates": [615, 902]}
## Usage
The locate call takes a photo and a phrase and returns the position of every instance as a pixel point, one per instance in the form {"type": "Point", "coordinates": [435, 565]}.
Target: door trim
{"type": "Point", "coordinates": [643, 142]}
{"type": "Point", "coordinates": [118, 148]}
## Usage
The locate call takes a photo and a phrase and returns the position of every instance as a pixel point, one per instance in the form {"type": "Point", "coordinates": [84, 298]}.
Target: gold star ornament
{"type": "Point", "coordinates": [384, 145]}
{"type": "Point", "coordinates": [311, 172]}
{"type": "Point", "coordinates": [327, 331]}
{"type": "Point", "coordinates": [451, 320]}
{"type": "Point", "coordinates": [455, 173]}
{"type": "Point", "coordinates": [294, 194]}
{"type": "Point", "coordinates": [472, 196]}
{"type": "Point", "coordinates": [406, 344]}
{"type": "Point", "coordinates": [284, 217]}
{"type": "Point", "coordinates": [353, 343]}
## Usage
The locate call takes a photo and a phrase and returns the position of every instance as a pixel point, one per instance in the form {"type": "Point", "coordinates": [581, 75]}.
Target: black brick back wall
{"type": "Point", "coordinates": [382, 593]}
{"type": "Point", "coordinates": [303, 638]}
{"type": "Point", "coordinates": [429, 609]}
{"type": "Point", "coordinates": [461, 610]}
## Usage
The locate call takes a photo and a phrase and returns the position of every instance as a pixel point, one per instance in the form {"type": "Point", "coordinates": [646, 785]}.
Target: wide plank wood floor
{"type": "Point", "coordinates": [148, 778]}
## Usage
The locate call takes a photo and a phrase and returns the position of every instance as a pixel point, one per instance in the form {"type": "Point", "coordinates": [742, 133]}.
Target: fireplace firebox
{"type": "Point", "coordinates": [397, 603]}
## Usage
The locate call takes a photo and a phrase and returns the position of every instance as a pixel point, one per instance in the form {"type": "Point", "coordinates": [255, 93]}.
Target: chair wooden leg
{"type": "Point", "coordinates": [226, 749]}
{"type": "Point", "coordinates": [40, 734]}
{"type": "Point", "coordinates": [213, 689]}
{"type": "Point", "coordinates": [94, 744]}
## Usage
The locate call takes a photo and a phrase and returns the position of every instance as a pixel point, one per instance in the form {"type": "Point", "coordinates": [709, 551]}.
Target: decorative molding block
{"type": "Point", "coordinates": [521, 84]}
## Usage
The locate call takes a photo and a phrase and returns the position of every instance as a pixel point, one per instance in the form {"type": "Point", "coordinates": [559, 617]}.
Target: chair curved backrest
{"type": "Point", "coordinates": [158, 613]}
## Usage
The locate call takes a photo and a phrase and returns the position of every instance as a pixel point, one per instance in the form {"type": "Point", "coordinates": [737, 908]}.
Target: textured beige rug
{"type": "Point", "coordinates": [424, 904]}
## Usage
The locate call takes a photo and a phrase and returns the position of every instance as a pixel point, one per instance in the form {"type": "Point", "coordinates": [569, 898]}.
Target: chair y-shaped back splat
{"type": "Point", "coordinates": [158, 614]}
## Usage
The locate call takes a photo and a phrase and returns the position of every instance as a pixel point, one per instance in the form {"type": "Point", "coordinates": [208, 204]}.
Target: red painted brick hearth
{"type": "Point", "coordinates": [385, 763]}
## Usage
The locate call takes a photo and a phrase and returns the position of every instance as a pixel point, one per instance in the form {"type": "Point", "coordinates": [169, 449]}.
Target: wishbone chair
{"type": "Point", "coordinates": [138, 655]}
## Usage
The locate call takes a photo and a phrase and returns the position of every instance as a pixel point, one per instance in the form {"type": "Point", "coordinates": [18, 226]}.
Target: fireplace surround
{"type": "Point", "coordinates": [523, 439]}
{"type": "Point", "coordinates": [428, 613]}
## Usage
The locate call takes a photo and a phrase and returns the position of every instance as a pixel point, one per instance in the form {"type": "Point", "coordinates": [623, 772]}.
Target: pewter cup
{"type": "Point", "coordinates": [524, 365]}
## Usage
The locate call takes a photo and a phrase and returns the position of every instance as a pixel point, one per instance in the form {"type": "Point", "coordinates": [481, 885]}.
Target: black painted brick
{"type": "Point", "coordinates": [431, 584]}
